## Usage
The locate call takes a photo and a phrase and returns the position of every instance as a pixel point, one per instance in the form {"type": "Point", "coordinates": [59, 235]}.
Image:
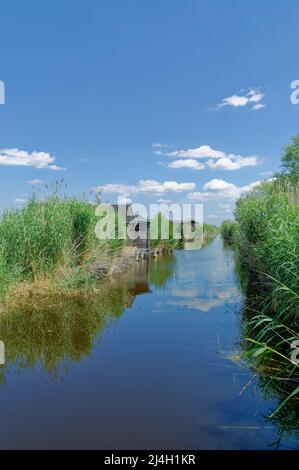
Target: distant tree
{"type": "Point", "coordinates": [290, 160]}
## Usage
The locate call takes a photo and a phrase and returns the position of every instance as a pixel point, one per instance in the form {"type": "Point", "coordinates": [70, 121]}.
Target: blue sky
{"type": "Point", "coordinates": [95, 84]}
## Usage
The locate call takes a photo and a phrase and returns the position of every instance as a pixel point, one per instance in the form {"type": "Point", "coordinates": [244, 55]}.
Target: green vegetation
{"type": "Point", "coordinates": [167, 234]}
{"type": "Point", "coordinates": [290, 161]}
{"type": "Point", "coordinates": [228, 231]}
{"type": "Point", "coordinates": [50, 245]}
{"type": "Point", "coordinates": [266, 234]}
{"type": "Point", "coordinates": [268, 221]}
{"type": "Point", "coordinates": [209, 232]}
{"type": "Point", "coordinates": [49, 241]}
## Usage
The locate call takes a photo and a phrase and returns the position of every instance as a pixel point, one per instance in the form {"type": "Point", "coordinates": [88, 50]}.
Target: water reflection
{"type": "Point", "coordinates": [136, 366]}
{"type": "Point", "coordinates": [162, 270]}
{"type": "Point", "coordinates": [53, 333]}
{"type": "Point", "coordinates": [60, 331]}
{"type": "Point", "coordinates": [217, 286]}
{"type": "Point", "coordinates": [135, 280]}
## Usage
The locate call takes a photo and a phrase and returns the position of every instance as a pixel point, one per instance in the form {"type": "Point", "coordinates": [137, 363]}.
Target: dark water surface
{"type": "Point", "coordinates": [153, 363]}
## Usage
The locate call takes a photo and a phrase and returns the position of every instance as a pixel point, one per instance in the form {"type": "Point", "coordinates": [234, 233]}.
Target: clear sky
{"type": "Point", "coordinates": [90, 86]}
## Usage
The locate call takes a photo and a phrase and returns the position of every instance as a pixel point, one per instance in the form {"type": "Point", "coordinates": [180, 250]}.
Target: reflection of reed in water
{"type": "Point", "coordinates": [60, 331]}
{"type": "Point", "coordinates": [162, 270]}
{"type": "Point", "coordinates": [53, 332]}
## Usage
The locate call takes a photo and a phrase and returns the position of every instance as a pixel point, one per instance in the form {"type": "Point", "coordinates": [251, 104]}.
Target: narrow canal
{"type": "Point", "coordinates": [154, 363]}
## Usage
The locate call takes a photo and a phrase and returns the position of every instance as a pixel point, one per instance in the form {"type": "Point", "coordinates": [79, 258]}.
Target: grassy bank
{"type": "Point", "coordinates": [49, 242]}
{"type": "Point", "coordinates": [228, 231]}
{"type": "Point", "coordinates": [266, 234]}
{"type": "Point", "coordinates": [268, 241]}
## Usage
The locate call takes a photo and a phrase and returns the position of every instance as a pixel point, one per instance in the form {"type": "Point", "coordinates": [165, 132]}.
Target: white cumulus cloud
{"type": "Point", "coordinates": [20, 201]}
{"type": "Point", "coordinates": [252, 97]}
{"type": "Point", "coordinates": [35, 181]}
{"type": "Point", "coordinates": [218, 189]}
{"type": "Point", "coordinates": [204, 151]}
{"type": "Point", "coordinates": [17, 157]}
{"type": "Point", "coordinates": [256, 107]}
{"type": "Point", "coordinates": [217, 185]}
{"type": "Point", "coordinates": [215, 159]}
{"type": "Point", "coordinates": [146, 187]}
{"type": "Point", "coordinates": [187, 163]}
{"type": "Point", "coordinates": [232, 162]}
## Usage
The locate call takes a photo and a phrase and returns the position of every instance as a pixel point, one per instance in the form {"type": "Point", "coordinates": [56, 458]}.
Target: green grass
{"type": "Point", "coordinates": [228, 231]}
{"type": "Point", "coordinates": [266, 235]}
{"type": "Point", "coordinates": [49, 238]}
{"type": "Point", "coordinates": [268, 232]}
{"type": "Point", "coordinates": [209, 231]}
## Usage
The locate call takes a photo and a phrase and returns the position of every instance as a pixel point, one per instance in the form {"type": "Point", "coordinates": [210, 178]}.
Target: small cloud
{"type": "Point", "coordinates": [256, 107]}
{"type": "Point", "coordinates": [217, 185]}
{"type": "Point", "coordinates": [160, 146]}
{"type": "Point", "coordinates": [187, 163]}
{"type": "Point", "coordinates": [204, 151]}
{"type": "Point", "coordinates": [266, 173]}
{"type": "Point", "coordinates": [17, 157]}
{"type": "Point", "coordinates": [232, 162]}
{"type": "Point", "coordinates": [35, 181]}
{"type": "Point", "coordinates": [83, 160]}
{"type": "Point", "coordinates": [252, 97]}
{"type": "Point", "coordinates": [201, 196]}
{"type": "Point", "coordinates": [235, 101]}
{"type": "Point", "coordinates": [123, 199]}
{"type": "Point", "coordinates": [212, 216]}
{"type": "Point", "coordinates": [224, 190]}
{"type": "Point", "coordinates": [165, 201]}
{"type": "Point", "coordinates": [20, 201]}
{"type": "Point", "coordinates": [219, 190]}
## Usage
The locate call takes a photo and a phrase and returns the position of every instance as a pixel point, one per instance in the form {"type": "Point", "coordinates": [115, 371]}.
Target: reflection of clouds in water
{"type": "Point", "coordinates": [193, 299]}
{"type": "Point", "coordinates": [205, 280]}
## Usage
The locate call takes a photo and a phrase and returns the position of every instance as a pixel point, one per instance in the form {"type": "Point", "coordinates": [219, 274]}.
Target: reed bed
{"type": "Point", "coordinates": [49, 244]}
{"type": "Point", "coordinates": [266, 235]}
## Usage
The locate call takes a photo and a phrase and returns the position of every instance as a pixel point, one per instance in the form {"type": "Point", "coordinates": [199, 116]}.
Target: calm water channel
{"type": "Point", "coordinates": [153, 363]}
